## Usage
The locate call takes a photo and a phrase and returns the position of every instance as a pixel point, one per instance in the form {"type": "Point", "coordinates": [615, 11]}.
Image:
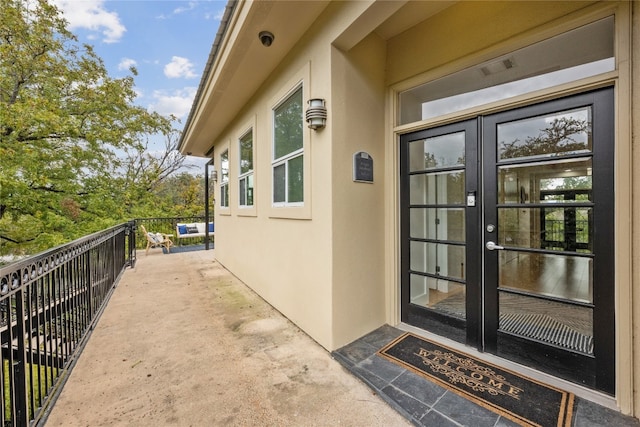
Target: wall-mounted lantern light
{"type": "Point", "coordinates": [316, 113]}
{"type": "Point", "coordinates": [214, 175]}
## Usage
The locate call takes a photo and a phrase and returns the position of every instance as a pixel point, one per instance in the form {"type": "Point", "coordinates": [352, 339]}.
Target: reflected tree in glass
{"type": "Point", "coordinates": [564, 134]}
{"type": "Point", "coordinates": [288, 126]}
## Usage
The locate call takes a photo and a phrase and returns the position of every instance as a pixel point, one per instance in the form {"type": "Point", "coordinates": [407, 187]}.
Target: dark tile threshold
{"type": "Point", "coordinates": [425, 403]}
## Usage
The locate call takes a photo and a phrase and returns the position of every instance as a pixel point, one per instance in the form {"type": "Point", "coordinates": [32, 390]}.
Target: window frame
{"type": "Point", "coordinates": [224, 179]}
{"type": "Point", "coordinates": [285, 86]}
{"type": "Point", "coordinates": [286, 159]}
{"type": "Point", "coordinates": [248, 175]}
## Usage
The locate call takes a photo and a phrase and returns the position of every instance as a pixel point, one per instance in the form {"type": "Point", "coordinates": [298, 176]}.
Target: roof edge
{"type": "Point", "coordinates": [213, 54]}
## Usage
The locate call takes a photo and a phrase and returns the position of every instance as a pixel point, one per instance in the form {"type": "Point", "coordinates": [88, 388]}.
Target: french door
{"type": "Point", "coordinates": [507, 235]}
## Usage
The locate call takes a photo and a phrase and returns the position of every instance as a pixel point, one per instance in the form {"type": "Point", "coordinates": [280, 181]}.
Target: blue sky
{"type": "Point", "coordinates": [167, 41]}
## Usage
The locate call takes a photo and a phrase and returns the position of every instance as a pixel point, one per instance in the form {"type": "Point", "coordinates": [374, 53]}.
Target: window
{"type": "Point", "coordinates": [288, 152]}
{"type": "Point", "coordinates": [542, 65]}
{"type": "Point", "coordinates": [224, 179]}
{"type": "Point", "coordinates": [246, 169]}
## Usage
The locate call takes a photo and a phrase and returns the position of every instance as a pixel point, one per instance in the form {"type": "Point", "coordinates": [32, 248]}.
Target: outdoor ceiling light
{"type": "Point", "coordinates": [266, 38]}
{"type": "Point", "coordinates": [316, 113]}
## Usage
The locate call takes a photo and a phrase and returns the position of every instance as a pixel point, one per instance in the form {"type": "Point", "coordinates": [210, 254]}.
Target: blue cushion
{"type": "Point", "coordinates": [182, 229]}
{"type": "Point", "coordinates": [210, 227]}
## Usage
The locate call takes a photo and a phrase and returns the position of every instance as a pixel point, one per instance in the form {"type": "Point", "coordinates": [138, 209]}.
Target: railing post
{"type": "Point", "coordinates": [21, 415]}
{"type": "Point", "coordinates": [131, 234]}
{"type": "Point", "coordinates": [89, 285]}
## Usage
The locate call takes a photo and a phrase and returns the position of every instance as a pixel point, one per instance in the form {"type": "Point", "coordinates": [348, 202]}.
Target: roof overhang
{"type": "Point", "coordinates": [239, 64]}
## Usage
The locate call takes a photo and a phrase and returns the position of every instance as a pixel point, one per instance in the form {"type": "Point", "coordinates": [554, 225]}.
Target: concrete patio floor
{"type": "Point", "coordinates": [183, 342]}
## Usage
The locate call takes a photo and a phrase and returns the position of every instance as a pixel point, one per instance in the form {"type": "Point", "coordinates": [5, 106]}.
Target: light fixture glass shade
{"type": "Point", "coordinates": [316, 115]}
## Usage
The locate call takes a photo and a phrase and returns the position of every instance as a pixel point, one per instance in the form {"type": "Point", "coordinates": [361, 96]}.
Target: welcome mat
{"type": "Point", "coordinates": [520, 399]}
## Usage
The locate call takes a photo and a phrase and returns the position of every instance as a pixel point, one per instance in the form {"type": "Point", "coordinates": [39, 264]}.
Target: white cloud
{"type": "Point", "coordinates": [191, 5]}
{"type": "Point", "coordinates": [179, 67]}
{"type": "Point", "coordinates": [91, 15]}
{"type": "Point", "coordinates": [177, 11]}
{"type": "Point", "coordinates": [177, 102]}
{"type": "Point", "coordinates": [127, 63]}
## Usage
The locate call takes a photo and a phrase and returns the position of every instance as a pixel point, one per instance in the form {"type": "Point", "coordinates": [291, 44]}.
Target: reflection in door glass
{"type": "Point", "coordinates": [437, 188]}
{"type": "Point", "coordinates": [558, 276]}
{"type": "Point", "coordinates": [555, 228]}
{"type": "Point", "coordinates": [437, 152]}
{"type": "Point", "coordinates": [432, 223]}
{"type": "Point", "coordinates": [441, 295]}
{"type": "Point", "coordinates": [551, 322]}
{"type": "Point", "coordinates": [548, 135]}
{"type": "Point", "coordinates": [546, 182]}
{"type": "Point", "coordinates": [438, 259]}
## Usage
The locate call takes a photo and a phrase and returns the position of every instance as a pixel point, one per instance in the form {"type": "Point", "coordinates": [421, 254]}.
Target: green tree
{"type": "Point", "coordinates": [62, 121]}
{"type": "Point", "coordinates": [182, 194]}
{"type": "Point", "coordinates": [142, 170]}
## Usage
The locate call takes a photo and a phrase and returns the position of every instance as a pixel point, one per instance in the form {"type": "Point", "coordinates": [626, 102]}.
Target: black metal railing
{"type": "Point", "coordinates": [48, 305]}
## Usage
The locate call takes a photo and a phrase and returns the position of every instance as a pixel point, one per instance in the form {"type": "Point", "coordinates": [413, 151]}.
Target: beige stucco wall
{"type": "Point", "coordinates": [358, 95]}
{"type": "Point", "coordinates": [287, 261]}
{"type": "Point", "coordinates": [634, 366]}
{"type": "Point", "coordinates": [322, 265]}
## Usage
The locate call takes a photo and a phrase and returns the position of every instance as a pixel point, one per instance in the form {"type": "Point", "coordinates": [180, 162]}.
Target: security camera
{"type": "Point", "coordinates": [266, 38]}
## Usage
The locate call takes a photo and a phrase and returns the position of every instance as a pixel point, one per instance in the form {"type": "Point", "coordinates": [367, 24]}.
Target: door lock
{"type": "Point", "coordinates": [492, 246]}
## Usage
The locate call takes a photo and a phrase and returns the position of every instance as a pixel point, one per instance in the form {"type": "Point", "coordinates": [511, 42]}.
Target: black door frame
{"type": "Point", "coordinates": [464, 331]}
{"type": "Point", "coordinates": [598, 371]}
{"type": "Point", "coordinates": [480, 329]}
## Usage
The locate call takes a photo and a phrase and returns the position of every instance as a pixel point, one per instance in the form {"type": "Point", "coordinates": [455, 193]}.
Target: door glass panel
{"type": "Point", "coordinates": [559, 276]}
{"type": "Point", "coordinates": [559, 229]}
{"type": "Point", "coordinates": [441, 224]}
{"type": "Point", "coordinates": [423, 257]}
{"type": "Point", "coordinates": [441, 295]}
{"type": "Point", "coordinates": [568, 132]}
{"type": "Point", "coordinates": [436, 178]}
{"type": "Point", "coordinates": [438, 259]}
{"type": "Point", "coordinates": [437, 188]}
{"type": "Point", "coordinates": [546, 182]}
{"type": "Point", "coordinates": [552, 322]}
{"type": "Point", "coordinates": [437, 152]}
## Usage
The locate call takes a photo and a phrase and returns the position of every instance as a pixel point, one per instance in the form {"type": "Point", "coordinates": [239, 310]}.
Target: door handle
{"type": "Point", "coordinates": [492, 246]}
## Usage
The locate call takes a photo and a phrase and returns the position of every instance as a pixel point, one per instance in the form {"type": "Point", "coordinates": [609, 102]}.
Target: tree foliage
{"type": "Point", "coordinates": [74, 150]}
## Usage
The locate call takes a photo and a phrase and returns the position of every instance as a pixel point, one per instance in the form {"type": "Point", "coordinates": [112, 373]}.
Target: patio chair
{"type": "Point", "coordinates": [157, 240]}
